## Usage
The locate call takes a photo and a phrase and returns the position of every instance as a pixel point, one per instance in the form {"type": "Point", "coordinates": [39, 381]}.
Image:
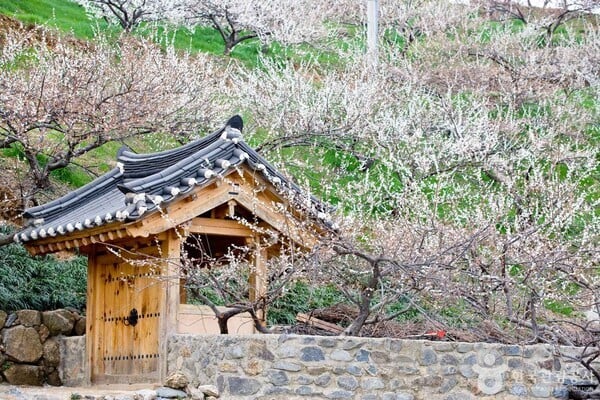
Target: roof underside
{"type": "Point", "coordinates": [141, 182]}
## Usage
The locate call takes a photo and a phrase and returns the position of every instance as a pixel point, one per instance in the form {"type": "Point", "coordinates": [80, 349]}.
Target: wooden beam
{"type": "Point", "coordinates": [259, 275]}
{"type": "Point", "coordinates": [224, 227]}
{"type": "Point", "coordinates": [92, 330]}
{"type": "Point", "coordinates": [171, 251]}
{"type": "Point", "coordinates": [318, 323]}
{"type": "Point", "coordinates": [231, 208]}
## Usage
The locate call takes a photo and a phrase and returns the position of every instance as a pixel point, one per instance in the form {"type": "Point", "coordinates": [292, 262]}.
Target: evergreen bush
{"type": "Point", "coordinates": [40, 283]}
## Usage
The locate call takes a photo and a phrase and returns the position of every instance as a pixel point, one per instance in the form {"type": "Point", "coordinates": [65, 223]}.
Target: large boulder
{"type": "Point", "coordinates": [52, 376]}
{"type": "Point", "coordinates": [59, 322]}
{"type": "Point", "coordinates": [80, 327]}
{"type": "Point", "coordinates": [29, 317]}
{"type": "Point", "coordinates": [22, 344]}
{"type": "Point", "coordinates": [22, 374]}
{"type": "Point", "coordinates": [3, 316]}
{"type": "Point", "coordinates": [44, 332]}
{"type": "Point", "coordinates": [51, 353]}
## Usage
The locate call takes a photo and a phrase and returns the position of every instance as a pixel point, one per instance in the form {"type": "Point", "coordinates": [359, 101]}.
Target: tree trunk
{"type": "Point", "coordinates": [578, 394]}
{"type": "Point", "coordinates": [356, 325]}
{"type": "Point", "coordinates": [222, 319]}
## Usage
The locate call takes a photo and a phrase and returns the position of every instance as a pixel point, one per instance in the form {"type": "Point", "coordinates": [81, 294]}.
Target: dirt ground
{"type": "Point", "coordinates": [116, 392]}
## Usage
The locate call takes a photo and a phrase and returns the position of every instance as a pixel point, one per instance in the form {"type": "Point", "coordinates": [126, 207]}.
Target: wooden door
{"type": "Point", "coordinates": [125, 326]}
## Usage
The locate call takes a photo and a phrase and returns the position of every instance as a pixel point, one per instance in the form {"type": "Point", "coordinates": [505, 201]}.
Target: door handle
{"type": "Point", "coordinates": [132, 318]}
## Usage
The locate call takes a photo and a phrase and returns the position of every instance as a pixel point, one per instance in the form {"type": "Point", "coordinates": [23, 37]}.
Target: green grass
{"type": "Point", "coordinates": [69, 17]}
{"type": "Point", "coordinates": [559, 307]}
{"type": "Point", "coordinates": [203, 39]}
{"type": "Point", "coordinates": [64, 15]}
{"type": "Point", "coordinates": [72, 175]}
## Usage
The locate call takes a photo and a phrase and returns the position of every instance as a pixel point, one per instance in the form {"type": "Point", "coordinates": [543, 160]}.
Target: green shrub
{"type": "Point", "coordinates": [40, 283]}
{"type": "Point", "coordinates": [302, 298]}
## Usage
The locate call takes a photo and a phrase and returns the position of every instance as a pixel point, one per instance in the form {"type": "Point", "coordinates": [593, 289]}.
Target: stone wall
{"type": "Point", "coordinates": [30, 345]}
{"type": "Point", "coordinates": [73, 361]}
{"type": "Point", "coordinates": [290, 367]}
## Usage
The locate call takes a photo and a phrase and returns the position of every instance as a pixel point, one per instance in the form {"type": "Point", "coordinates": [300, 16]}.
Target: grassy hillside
{"type": "Point", "coordinates": [70, 17]}
{"type": "Point", "coordinates": [63, 15]}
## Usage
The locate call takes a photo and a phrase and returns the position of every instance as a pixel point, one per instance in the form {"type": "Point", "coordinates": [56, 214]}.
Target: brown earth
{"type": "Point", "coordinates": [36, 33]}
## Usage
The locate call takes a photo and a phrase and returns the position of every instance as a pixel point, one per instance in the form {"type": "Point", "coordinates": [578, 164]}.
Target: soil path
{"type": "Point", "coordinates": [116, 392]}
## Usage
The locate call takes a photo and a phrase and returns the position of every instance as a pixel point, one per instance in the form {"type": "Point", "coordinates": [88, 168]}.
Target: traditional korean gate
{"type": "Point", "coordinates": [124, 330]}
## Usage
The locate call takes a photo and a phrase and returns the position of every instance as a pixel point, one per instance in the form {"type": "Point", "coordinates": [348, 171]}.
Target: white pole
{"type": "Point", "coordinates": [372, 21]}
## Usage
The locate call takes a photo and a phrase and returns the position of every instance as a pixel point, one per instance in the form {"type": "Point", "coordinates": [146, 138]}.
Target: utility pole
{"type": "Point", "coordinates": [372, 22]}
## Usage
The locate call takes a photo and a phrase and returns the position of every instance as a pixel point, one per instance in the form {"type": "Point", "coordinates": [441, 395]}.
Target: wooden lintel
{"type": "Point", "coordinates": [179, 212]}
{"type": "Point", "coordinates": [224, 227]}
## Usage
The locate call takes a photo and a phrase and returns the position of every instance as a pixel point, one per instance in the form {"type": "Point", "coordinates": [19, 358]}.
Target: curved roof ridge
{"type": "Point", "coordinates": [179, 170]}
{"type": "Point", "coordinates": [138, 165]}
{"type": "Point", "coordinates": [129, 155]}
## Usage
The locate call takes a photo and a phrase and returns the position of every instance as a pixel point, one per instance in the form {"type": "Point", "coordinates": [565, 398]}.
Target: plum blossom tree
{"type": "Point", "coordinates": [287, 21]}
{"type": "Point", "coordinates": [128, 13]}
{"type": "Point", "coordinates": [226, 280]}
{"type": "Point", "coordinates": [60, 101]}
{"type": "Point", "coordinates": [468, 187]}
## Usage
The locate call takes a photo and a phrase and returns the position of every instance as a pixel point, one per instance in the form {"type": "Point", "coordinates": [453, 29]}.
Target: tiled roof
{"type": "Point", "coordinates": [141, 182]}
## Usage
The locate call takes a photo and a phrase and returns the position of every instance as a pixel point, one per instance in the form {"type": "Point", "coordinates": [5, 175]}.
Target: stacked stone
{"type": "Point", "coordinates": [30, 347]}
{"type": "Point", "coordinates": [286, 367]}
{"type": "Point", "coordinates": [177, 386]}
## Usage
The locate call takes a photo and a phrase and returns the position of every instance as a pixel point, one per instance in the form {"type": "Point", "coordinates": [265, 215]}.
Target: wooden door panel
{"type": "Point", "coordinates": [128, 351]}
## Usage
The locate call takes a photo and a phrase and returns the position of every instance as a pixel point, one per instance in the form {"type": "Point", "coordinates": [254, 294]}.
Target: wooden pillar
{"type": "Point", "coordinates": [258, 274]}
{"type": "Point", "coordinates": [170, 297]}
{"type": "Point", "coordinates": [92, 347]}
